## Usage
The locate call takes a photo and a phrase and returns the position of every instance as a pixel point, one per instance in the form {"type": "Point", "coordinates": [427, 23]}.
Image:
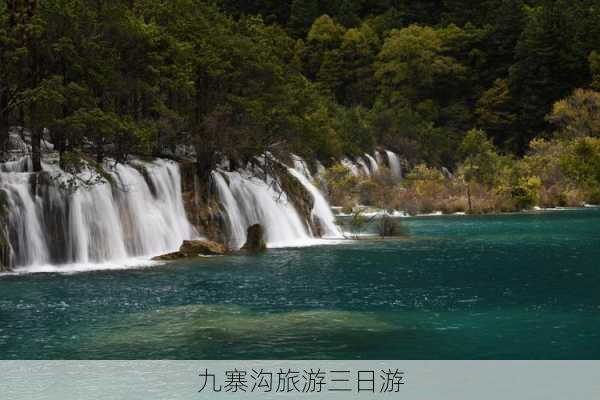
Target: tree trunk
{"type": "Point", "coordinates": [4, 124]}
{"type": "Point", "coordinates": [469, 198]}
{"type": "Point", "coordinates": [36, 149]}
{"type": "Point", "coordinates": [99, 151]}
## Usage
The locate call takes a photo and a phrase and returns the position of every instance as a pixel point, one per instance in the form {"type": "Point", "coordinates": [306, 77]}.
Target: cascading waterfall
{"type": "Point", "coordinates": [371, 165]}
{"type": "Point", "coordinates": [137, 209]}
{"type": "Point", "coordinates": [23, 216]}
{"type": "Point", "coordinates": [300, 165]}
{"type": "Point", "coordinates": [248, 200]}
{"type": "Point", "coordinates": [138, 213]}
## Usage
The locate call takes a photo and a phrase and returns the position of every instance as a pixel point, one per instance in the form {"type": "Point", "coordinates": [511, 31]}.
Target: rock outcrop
{"type": "Point", "coordinates": [202, 247]}
{"type": "Point", "coordinates": [5, 249]}
{"type": "Point", "coordinates": [255, 242]}
{"type": "Point", "coordinates": [203, 210]}
{"type": "Point", "coordinates": [194, 248]}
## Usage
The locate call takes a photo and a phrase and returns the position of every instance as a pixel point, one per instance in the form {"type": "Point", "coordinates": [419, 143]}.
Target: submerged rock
{"type": "Point", "coordinates": [256, 241]}
{"type": "Point", "coordinates": [194, 248]}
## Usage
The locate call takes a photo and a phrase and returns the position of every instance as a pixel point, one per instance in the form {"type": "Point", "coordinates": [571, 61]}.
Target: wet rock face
{"type": "Point", "coordinates": [4, 252]}
{"type": "Point", "coordinates": [256, 241]}
{"type": "Point", "coordinates": [202, 208]}
{"type": "Point", "coordinates": [5, 249]}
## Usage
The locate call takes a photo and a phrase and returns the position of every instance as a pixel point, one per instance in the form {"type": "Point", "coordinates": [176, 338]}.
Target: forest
{"type": "Point", "coordinates": [503, 93]}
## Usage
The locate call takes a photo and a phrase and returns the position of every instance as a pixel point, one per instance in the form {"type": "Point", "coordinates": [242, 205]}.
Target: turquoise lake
{"type": "Point", "coordinates": [522, 286]}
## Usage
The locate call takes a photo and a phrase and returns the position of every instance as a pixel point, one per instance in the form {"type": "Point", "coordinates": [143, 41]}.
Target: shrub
{"type": "Point", "coordinates": [390, 227]}
{"type": "Point", "coordinates": [527, 192]}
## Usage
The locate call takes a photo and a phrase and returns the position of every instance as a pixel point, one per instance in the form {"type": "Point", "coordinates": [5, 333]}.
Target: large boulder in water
{"type": "Point", "coordinates": [194, 248]}
{"type": "Point", "coordinates": [255, 242]}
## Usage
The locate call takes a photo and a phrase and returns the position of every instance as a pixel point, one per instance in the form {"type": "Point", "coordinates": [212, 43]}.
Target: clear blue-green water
{"type": "Point", "coordinates": [521, 286]}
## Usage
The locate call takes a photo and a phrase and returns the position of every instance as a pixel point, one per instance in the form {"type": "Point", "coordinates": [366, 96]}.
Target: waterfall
{"type": "Point", "coordinates": [351, 166]}
{"type": "Point", "coordinates": [373, 163]}
{"type": "Point", "coordinates": [301, 166]}
{"type": "Point", "coordinates": [137, 211]}
{"type": "Point", "coordinates": [363, 165]}
{"type": "Point", "coordinates": [395, 165]}
{"type": "Point", "coordinates": [237, 224]}
{"type": "Point", "coordinates": [248, 200]}
{"type": "Point", "coordinates": [321, 209]}
{"type": "Point", "coordinates": [24, 218]}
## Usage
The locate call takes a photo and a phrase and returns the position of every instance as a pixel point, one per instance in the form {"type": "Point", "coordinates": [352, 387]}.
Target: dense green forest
{"type": "Point", "coordinates": [453, 83]}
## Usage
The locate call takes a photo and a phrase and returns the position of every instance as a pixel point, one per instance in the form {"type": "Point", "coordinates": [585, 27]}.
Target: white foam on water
{"type": "Point", "coordinates": [116, 265]}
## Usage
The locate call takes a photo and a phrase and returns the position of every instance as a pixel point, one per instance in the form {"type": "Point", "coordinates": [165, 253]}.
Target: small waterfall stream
{"type": "Point", "coordinates": [395, 165]}
{"type": "Point", "coordinates": [373, 163]}
{"type": "Point", "coordinates": [321, 210]}
{"type": "Point", "coordinates": [370, 165]}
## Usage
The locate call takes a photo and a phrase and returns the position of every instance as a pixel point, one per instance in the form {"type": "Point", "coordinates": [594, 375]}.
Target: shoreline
{"type": "Point", "coordinates": [405, 215]}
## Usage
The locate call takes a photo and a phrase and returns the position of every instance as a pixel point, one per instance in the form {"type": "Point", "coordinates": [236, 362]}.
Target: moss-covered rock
{"type": "Point", "coordinates": [194, 248]}
{"type": "Point", "coordinates": [255, 241]}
